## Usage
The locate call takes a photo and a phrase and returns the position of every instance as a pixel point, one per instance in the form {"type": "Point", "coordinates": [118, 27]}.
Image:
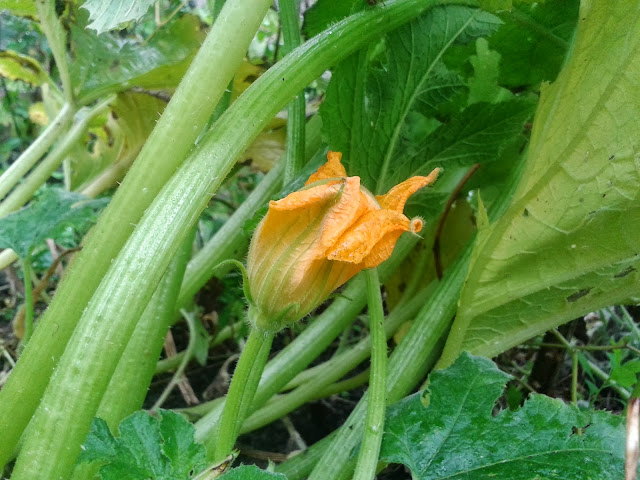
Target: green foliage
{"type": "Point", "coordinates": [569, 242]}
{"type": "Point", "coordinates": [483, 86]}
{"type": "Point", "coordinates": [624, 372]}
{"type": "Point", "coordinates": [106, 64]}
{"type": "Point", "coordinates": [111, 14]}
{"type": "Point", "coordinates": [533, 40]}
{"type": "Point", "coordinates": [325, 12]}
{"type": "Point", "coordinates": [453, 88]}
{"type": "Point", "coordinates": [251, 472]}
{"type": "Point", "coordinates": [148, 448]}
{"type": "Point", "coordinates": [373, 103]}
{"type": "Point", "coordinates": [456, 435]}
{"type": "Point", "coordinates": [47, 217]}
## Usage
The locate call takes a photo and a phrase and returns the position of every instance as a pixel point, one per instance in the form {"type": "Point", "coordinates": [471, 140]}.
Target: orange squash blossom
{"type": "Point", "coordinates": [315, 239]}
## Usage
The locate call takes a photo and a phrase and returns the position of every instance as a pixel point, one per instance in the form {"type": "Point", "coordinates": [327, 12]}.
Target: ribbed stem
{"type": "Point", "coordinates": [374, 420]}
{"type": "Point", "coordinates": [241, 391]}
{"type": "Point", "coordinates": [130, 382]}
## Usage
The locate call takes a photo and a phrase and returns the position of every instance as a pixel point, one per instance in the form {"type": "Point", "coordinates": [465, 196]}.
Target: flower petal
{"type": "Point", "coordinates": [384, 248]}
{"type": "Point", "coordinates": [395, 198]}
{"type": "Point", "coordinates": [353, 204]}
{"type": "Point", "coordinates": [359, 241]}
{"type": "Point", "coordinates": [286, 221]}
{"type": "Point", "coordinates": [332, 169]}
{"type": "Point", "coordinates": [308, 198]}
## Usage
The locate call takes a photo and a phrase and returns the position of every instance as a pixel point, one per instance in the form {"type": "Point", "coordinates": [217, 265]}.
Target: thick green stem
{"type": "Point", "coordinates": [241, 391]}
{"type": "Point", "coordinates": [24, 192]}
{"type": "Point", "coordinates": [290, 20]}
{"type": "Point", "coordinates": [129, 384]}
{"type": "Point", "coordinates": [374, 421]}
{"type": "Point", "coordinates": [166, 148]}
{"type": "Point", "coordinates": [57, 39]}
{"type": "Point", "coordinates": [28, 300]}
{"type": "Point", "coordinates": [130, 381]}
{"type": "Point", "coordinates": [343, 386]}
{"type": "Point", "coordinates": [36, 150]}
{"type": "Point", "coordinates": [7, 257]}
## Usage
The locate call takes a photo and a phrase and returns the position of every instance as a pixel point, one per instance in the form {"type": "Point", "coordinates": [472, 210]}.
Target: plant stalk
{"type": "Point", "coordinates": [241, 391]}
{"type": "Point", "coordinates": [130, 382]}
{"type": "Point", "coordinates": [374, 420]}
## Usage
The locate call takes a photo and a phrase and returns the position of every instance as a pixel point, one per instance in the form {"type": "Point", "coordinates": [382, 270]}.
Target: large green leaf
{"type": "Point", "coordinates": [110, 14]}
{"type": "Point", "coordinates": [394, 110]}
{"type": "Point", "coordinates": [47, 217]}
{"type": "Point", "coordinates": [569, 243]}
{"type": "Point", "coordinates": [158, 448]}
{"type": "Point", "coordinates": [456, 436]}
{"type": "Point", "coordinates": [105, 64]}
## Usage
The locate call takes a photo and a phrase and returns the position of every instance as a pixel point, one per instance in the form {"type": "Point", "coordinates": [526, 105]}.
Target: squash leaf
{"type": "Point", "coordinates": [456, 436]}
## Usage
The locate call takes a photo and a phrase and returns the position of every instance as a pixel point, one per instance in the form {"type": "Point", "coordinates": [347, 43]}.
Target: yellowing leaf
{"type": "Point", "coordinates": [244, 77]}
{"type": "Point", "coordinates": [266, 149]}
{"type": "Point", "coordinates": [16, 66]}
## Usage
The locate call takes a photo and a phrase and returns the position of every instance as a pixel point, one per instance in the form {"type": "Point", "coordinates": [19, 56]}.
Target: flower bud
{"type": "Point", "coordinates": [314, 240]}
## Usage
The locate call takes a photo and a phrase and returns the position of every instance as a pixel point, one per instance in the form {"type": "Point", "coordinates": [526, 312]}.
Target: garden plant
{"type": "Point", "coordinates": [384, 195]}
